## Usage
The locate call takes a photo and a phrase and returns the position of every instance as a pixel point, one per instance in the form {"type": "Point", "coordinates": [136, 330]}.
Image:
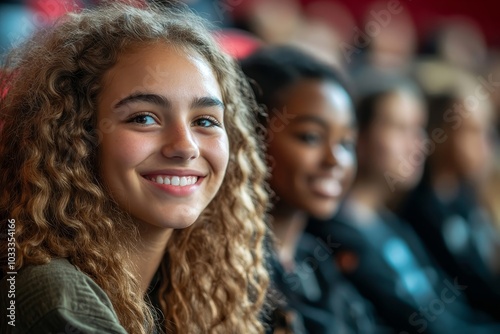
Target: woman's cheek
{"type": "Point", "coordinates": [127, 148]}
{"type": "Point", "coordinates": [216, 151]}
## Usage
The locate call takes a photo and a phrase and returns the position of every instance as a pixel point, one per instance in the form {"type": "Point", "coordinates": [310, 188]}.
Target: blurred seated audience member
{"type": "Point", "coordinates": [272, 21]}
{"type": "Point", "coordinates": [394, 45]}
{"type": "Point", "coordinates": [444, 208]}
{"type": "Point", "coordinates": [378, 252]}
{"type": "Point", "coordinates": [492, 73]}
{"type": "Point", "coordinates": [458, 41]}
{"type": "Point", "coordinates": [491, 190]}
{"type": "Point", "coordinates": [310, 135]}
{"type": "Point", "coordinates": [339, 20]}
{"type": "Point", "coordinates": [319, 40]}
{"type": "Point", "coordinates": [283, 22]}
{"type": "Point", "coordinates": [437, 77]}
{"type": "Point", "coordinates": [386, 41]}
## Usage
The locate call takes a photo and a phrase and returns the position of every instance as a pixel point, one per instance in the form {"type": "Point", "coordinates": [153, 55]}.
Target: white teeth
{"type": "Point", "coordinates": [327, 187]}
{"type": "Point", "coordinates": [181, 181]}
{"type": "Point", "coordinates": [176, 181]}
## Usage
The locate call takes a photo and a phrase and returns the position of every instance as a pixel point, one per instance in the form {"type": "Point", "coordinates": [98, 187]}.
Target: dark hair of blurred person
{"type": "Point", "coordinates": [311, 132]}
{"type": "Point", "coordinates": [379, 253]}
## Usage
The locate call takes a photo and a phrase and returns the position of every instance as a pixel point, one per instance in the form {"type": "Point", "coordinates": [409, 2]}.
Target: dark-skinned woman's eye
{"type": "Point", "coordinates": [348, 144]}
{"type": "Point", "coordinates": [309, 138]}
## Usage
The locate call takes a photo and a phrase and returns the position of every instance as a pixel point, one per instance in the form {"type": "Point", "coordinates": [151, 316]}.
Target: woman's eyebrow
{"type": "Point", "coordinates": [206, 102]}
{"type": "Point", "coordinates": [144, 97]}
{"type": "Point", "coordinates": [199, 102]}
{"type": "Point", "coordinates": [320, 121]}
{"type": "Point", "coordinates": [310, 118]}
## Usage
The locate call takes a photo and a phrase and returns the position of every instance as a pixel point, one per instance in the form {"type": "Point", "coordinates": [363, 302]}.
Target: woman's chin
{"type": "Point", "coordinates": [176, 223]}
{"type": "Point", "coordinates": [324, 212]}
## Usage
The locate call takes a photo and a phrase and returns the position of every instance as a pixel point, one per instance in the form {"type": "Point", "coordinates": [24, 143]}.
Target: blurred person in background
{"type": "Point", "coordinates": [458, 41]}
{"type": "Point", "coordinates": [386, 40]}
{"type": "Point", "coordinates": [283, 22]}
{"type": "Point", "coordinates": [445, 210]}
{"type": "Point", "coordinates": [378, 252]}
{"type": "Point", "coordinates": [490, 193]}
{"type": "Point", "coordinates": [311, 132]}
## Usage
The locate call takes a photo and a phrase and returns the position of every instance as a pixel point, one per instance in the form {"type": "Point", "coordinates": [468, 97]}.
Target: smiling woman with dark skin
{"type": "Point", "coordinates": [312, 157]}
{"type": "Point", "coordinates": [311, 133]}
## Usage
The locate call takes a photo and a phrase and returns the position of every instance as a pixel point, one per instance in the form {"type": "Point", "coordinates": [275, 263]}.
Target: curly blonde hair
{"type": "Point", "coordinates": [214, 273]}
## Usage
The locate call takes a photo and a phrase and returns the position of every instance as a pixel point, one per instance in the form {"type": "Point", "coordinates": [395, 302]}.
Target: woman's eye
{"type": "Point", "coordinates": [310, 138]}
{"type": "Point", "coordinates": [143, 120]}
{"type": "Point", "coordinates": [348, 144]}
{"type": "Point", "coordinates": [206, 122]}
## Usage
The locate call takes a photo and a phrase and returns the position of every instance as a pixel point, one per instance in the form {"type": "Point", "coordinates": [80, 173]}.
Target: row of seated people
{"type": "Point", "coordinates": [413, 237]}
{"type": "Point", "coordinates": [387, 262]}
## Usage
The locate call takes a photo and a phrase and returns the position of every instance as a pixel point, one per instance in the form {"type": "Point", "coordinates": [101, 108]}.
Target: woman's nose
{"type": "Point", "coordinates": [180, 143]}
{"type": "Point", "coordinates": [338, 155]}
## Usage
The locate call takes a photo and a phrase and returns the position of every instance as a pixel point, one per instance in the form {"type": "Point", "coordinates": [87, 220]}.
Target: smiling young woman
{"type": "Point", "coordinates": [127, 135]}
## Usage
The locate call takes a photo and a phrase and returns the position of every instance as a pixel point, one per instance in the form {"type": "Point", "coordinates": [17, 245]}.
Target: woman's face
{"type": "Point", "coordinates": [311, 147]}
{"type": "Point", "coordinates": [391, 148]}
{"type": "Point", "coordinates": [164, 149]}
{"type": "Point", "coordinates": [470, 148]}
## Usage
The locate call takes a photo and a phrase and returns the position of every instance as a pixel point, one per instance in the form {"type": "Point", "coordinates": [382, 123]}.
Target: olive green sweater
{"type": "Point", "coordinates": [55, 298]}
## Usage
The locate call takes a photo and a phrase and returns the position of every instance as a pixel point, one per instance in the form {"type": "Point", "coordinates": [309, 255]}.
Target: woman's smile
{"type": "Point", "coordinates": [329, 187]}
{"type": "Point", "coordinates": [176, 183]}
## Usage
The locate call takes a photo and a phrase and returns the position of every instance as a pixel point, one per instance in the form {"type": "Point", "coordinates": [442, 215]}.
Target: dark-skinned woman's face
{"type": "Point", "coordinates": [311, 141]}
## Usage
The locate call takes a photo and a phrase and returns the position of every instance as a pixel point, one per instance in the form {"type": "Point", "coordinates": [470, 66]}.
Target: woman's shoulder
{"type": "Point", "coordinates": [55, 279]}
{"type": "Point", "coordinates": [57, 297]}
{"type": "Point", "coordinates": [56, 269]}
